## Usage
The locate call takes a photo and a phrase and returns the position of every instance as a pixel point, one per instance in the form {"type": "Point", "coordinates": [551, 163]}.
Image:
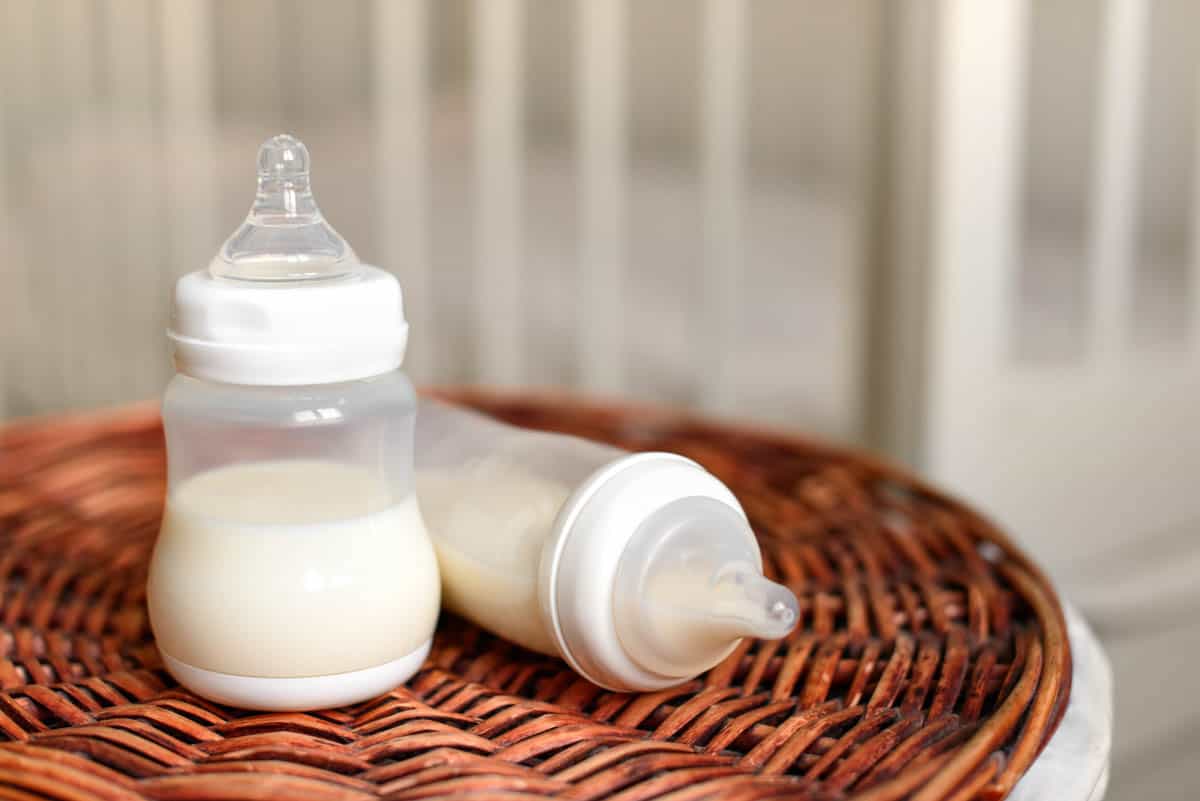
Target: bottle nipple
{"type": "Point", "coordinates": [285, 237]}
{"type": "Point", "coordinates": [745, 603]}
{"type": "Point", "coordinates": [689, 586]}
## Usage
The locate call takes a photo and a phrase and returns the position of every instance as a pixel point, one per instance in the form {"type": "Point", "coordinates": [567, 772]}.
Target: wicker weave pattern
{"type": "Point", "coordinates": [931, 661]}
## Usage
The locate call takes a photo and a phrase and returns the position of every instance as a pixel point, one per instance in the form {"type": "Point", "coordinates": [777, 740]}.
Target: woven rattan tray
{"type": "Point", "coordinates": [931, 661]}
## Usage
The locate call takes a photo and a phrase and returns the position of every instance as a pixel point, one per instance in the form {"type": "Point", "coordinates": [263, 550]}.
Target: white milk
{"type": "Point", "coordinates": [488, 522]}
{"type": "Point", "coordinates": [291, 568]}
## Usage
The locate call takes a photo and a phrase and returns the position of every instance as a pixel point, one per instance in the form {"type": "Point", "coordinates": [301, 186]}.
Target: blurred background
{"type": "Point", "coordinates": [961, 233]}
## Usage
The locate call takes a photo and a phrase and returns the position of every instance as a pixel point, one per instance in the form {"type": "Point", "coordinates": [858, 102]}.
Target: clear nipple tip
{"type": "Point", "coordinates": [285, 237]}
{"type": "Point", "coordinates": [283, 156]}
{"type": "Point", "coordinates": [745, 603]}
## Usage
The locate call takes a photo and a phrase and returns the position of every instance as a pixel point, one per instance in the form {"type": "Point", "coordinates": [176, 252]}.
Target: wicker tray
{"type": "Point", "coordinates": [931, 661]}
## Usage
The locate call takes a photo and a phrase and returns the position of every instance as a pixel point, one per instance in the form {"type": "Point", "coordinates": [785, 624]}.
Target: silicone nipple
{"type": "Point", "coordinates": [745, 603]}
{"type": "Point", "coordinates": [284, 237]}
{"type": "Point", "coordinates": [688, 587]}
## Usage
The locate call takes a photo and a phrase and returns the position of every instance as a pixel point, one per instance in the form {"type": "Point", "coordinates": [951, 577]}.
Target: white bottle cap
{"type": "Point", "coordinates": [286, 301]}
{"type": "Point", "coordinates": [652, 575]}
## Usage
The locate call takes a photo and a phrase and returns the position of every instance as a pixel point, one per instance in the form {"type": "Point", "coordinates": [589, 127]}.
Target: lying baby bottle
{"type": "Point", "coordinates": [640, 570]}
{"type": "Point", "coordinates": [293, 570]}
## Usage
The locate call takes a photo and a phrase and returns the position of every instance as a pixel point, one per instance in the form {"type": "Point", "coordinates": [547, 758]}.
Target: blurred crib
{"type": "Point", "coordinates": [964, 232]}
{"type": "Point", "coordinates": [1062, 357]}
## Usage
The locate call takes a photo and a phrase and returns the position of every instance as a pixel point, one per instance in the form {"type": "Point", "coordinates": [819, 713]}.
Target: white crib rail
{"type": "Point", "coordinates": [401, 78]}
{"type": "Point", "coordinates": [1122, 79]}
{"type": "Point", "coordinates": [8, 255]}
{"type": "Point", "coordinates": [135, 165]}
{"type": "Point", "coordinates": [603, 161]}
{"type": "Point", "coordinates": [974, 227]}
{"type": "Point", "coordinates": [499, 157]}
{"type": "Point", "coordinates": [1194, 242]}
{"type": "Point", "coordinates": [66, 42]}
{"type": "Point", "coordinates": [189, 133]}
{"type": "Point", "coordinates": [723, 175]}
{"type": "Point", "coordinates": [19, 91]}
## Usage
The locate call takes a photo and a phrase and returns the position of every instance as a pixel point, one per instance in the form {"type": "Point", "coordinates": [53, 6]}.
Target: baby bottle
{"type": "Point", "coordinates": [640, 570]}
{"type": "Point", "coordinates": [293, 570]}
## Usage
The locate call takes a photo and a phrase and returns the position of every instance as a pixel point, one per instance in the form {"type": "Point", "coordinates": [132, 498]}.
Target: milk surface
{"type": "Point", "coordinates": [291, 568]}
{"type": "Point", "coordinates": [488, 521]}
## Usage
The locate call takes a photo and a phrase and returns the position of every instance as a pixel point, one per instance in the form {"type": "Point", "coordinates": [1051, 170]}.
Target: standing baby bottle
{"type": "Point", "coordinates": [640, 570]}
{"type": "Point", "coordinates": [293, 570]}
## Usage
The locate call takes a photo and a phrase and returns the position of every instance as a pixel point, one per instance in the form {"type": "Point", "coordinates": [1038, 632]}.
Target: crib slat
{"type": "Point", "coordinates": [10, 340]}
{"type": "Point", "coordinates": [186, 42]}
{"type": "Point", "coordinates": [981, 57]}
{"type": "Point", "coordinates": [1194, 233]}
{"type": "Point", "coordinates": [603, 157]}
{"type": "Point", "coordinates": [69, 56]}
{"type": "Point", "coordinates": [722, 125]}
{"type": "Point", "coordinates": [35, 381]}
{"type": "Point", "coordinates": [498, 98]}
{"type": "Point", "coordinates": [134, 291]}
{"type": "Point", "coordinates": [1115, 208]}
{"type": "Point", "coordinates": [51, 200]}
{"type": "Point", "coordinates": [401, 65]}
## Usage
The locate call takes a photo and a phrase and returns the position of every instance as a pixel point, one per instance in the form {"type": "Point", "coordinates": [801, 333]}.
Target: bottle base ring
{"type": "Point", "coordinates": [297, 694]}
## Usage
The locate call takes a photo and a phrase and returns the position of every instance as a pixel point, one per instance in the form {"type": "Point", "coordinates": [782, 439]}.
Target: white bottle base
{"type": "Point", "coordinates": [300, 693]}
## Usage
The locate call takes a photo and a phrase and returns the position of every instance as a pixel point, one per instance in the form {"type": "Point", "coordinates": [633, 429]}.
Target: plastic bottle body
{"type": "Point", "coordinates": [491, 494]}
{"type": "Point", "coordinates": [292, 545]}
{"type": "Point", "coordinates": [640, 570]}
